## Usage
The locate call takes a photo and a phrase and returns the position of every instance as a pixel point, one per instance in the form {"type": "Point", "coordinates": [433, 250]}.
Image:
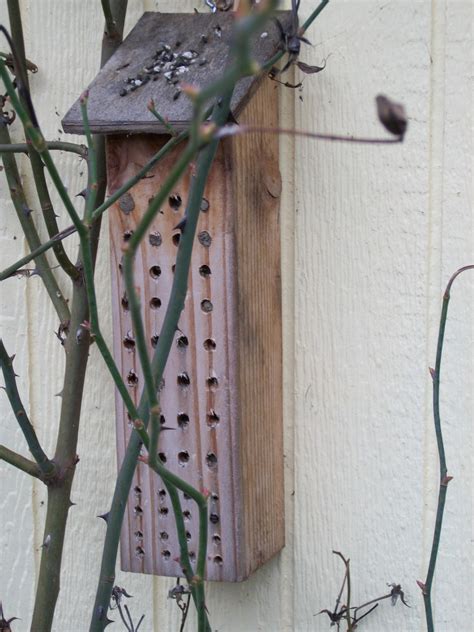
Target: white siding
{"type": "Point", "coordinates": [370, 237]}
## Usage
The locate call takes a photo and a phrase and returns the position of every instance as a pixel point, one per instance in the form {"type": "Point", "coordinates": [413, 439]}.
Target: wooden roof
{"type": "Point", "coordinates": [162, 50]}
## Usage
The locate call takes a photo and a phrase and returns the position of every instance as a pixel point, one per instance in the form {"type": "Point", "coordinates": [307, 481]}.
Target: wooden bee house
{"type": "Point", "coordinates": [222, 387]}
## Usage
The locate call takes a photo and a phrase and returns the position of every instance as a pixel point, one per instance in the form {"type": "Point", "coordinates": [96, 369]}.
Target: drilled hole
{"type": "Point", "coordinates": [175, 239]}
{"type": "Point", "coordinates": [155, 239]}
{"type": "Point", "coordinates": [212, 418]}
{"type": "Point", "coordinates": [137, 510]}
{"type": "Point", "coordinates": [214, 518]}
{"type": "Point", "coordinates": [209, 344]}
{"type": "Point", "coordinates": [139, 552]}
{"type": "Point", "coordinates": [154, 340]}
{"type": "Point", "coordinates": [183, 457]}
{"type": "Point", "coordinates": [205, 239]}
{"type": "Point", "coordinates": [138, 534]}
{"type": "Point", "coordinates": [205, 271]}
{"type": "Point", "coordinates": [165, 554]}
{"type": "Point", "coordinates": [161, 385]}
{"type": "Point", "coordinates": [162, 493]}
{"type": "Point", "coordinates": [182, 341]}
{"type": "Point", "coordinates": [183, 379]}
{"type": "Point", "coordinates": [132, 378]}
{"type": "Point", "coordinates": [162, 457]}
{"type": "Point", "coordinates": [216, 538]}
{"type": "Point", "coordinates": [128, 341]}
{"type": "Point", "coordinates": [162, 422]}
{"type": "Point", "coordinates": [155, 302]}
{"type": "Point", "coordinates": [218, 560]}
{"type": "Point", "coordinates": [175, 201]}
{"type": "Point", "coordinates": [204, 205]}
{"type": "Point", "coordinates": [207, 306]}
{"type": "Point", "coordinates": [125, 302]}
{"type": "Point", "coordinates": [127, 235]}
{"type": "Point", "coordinates": [164, 511]}
{"type": "Point", "coordinates": [137, 490]}
{"type": "Point", "coordinates": [192, 555]}
{"type": "Point", "coordinates": [183, 420]}
{"type": "Point", "coordinates": [186, 496]}
{"type": "Point", "coordinates": [214, 497]}
{"type": "Point", "coordinates": [187, 514]}
{"type": "Point", "coordinates": [173, 268]}
{"type": "Point", "coordinates": [155, 272]}
{"type": "Point", "coordinates": [188, 536]}
{"type": "Point", "coordinates": [212, 382]}
{"type": "Point", "coordinates": [211, 460]}
{"type": "Point", "coordinates": [164, 535]}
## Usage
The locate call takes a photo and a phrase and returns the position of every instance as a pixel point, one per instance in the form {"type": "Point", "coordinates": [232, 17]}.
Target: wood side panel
{"type": "Point", "coordinates": [256, 186]}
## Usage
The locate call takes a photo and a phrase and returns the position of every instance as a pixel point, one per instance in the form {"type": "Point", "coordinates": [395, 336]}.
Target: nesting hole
{"type": "Point", "coordinates": [137, 510]}
{"type": "Point", "coordinates": [209, 344]}
{"type": "Point", "coordinates": [186, 496]}
{"type": "Point", "coordinates": [188, 536]}
{"type": "Point", "coordinates": [212, 382]}
{"type": "Point", "coordinates": [164, 535]}
{"type": "Point", "coordinates": [183, 379]}
{"type": "Point", "coordinates": [162, 493]}
{"type": "Point", "coordinates": [164, 511]}
{"type": "Point", "coordinates": [205, 238]}
{"type": "Point", "coordinates": [155, 239]}
{"type": "Point", "coordinates": [205, 271]}
{"type": "Point", "coordinates": [127, 235]}
{"type": "Point", "coordinates": [183, 457]}
{"type": "Point", "coordinates": [183, 420]}
{"type": "Point", "coordinates": [137, 490]}
{"type": "Point", "coordinates": [139, 552]}
{"type": "Point", "coordinates": [212, 418]}
{"type": "Point", "coordinates": [173, 268]}
{"type": "Point", "coordinates": [175, 239]}
{"type": "Point", "coordinates": [128, 341]}
{"type": "Point", "coordinates": [175, 201]}
{"type": "Point", "coordinates": [218, 560]}
{"type": "Point", "coordinates": [162, 422]}
{"type": "Point", "coordinates": [211, 460]}
{"type": "Point", "coordinates": [162, 457]}
{"type": "Point", "coordinates": [124, 302]}
{"type": "Point", "coordinates": [132, 378]}
{"type": "Point", "coordinates": [207, 306]}
{"type": "Point", "coordinates": [182, 341]}
{"type": "Point", "coordinates": [216, 538]}
{"type": "Point", "coordinates": [187, 514]}
{"type": "Point", "coordinates": [204, 205]}
{"type": "Point", "coordinates": [214, 518]}
{"type": "Point", "coordinates": [155, 302]}
{"type": "Point", "coordinates": [165, 554]}
{"type": "Point", "coordinates": [138, 534]}
{"type": "Point", "coordinates": [155, 271]}
{"type": "Point", "coordinates": [192, 555]}
{"type": "Point", "coordinates": [214, 497]}
{"type": "Point", "coordinates": [154, 340]}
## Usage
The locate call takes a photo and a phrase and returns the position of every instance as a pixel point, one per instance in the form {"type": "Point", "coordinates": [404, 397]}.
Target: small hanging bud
{"type": "Point", "coordinates": [392, 115]}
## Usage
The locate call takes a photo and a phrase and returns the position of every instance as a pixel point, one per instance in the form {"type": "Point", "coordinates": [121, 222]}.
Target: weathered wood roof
{"type": "Point", "coordinates": [162, 50]}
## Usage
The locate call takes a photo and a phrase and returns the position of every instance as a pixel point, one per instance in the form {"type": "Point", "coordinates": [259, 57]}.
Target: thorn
{"type": "Point", "coordinates": [181, 224]}
{"type": "Point", "coordinates": [445, 480]}
{"type": "Point", "coordinates": [82, 193]}
{"type": "Point", "coordinates": [60, 394]}
{"type": "Point", "coordinates": [422, 586]}
{"type": "Point", "coordinates": [432, 373]}
{"type": "Point", "coordinates": [104, 516]}
{"type": "Point", "coordinates": [47, 542]}
{"type": "Point", "coordinates": [71, 504]}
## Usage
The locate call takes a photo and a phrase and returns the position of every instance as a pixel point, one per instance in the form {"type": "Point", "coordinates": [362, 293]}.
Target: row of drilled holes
{"type": "Point", "coordinates": [155, 239]}
{"type": "Point", "coordinates": [129, 342]}
{"type": "Point", "coordinates": [212, 382]}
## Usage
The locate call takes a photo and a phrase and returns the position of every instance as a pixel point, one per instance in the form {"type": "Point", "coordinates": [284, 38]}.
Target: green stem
{"type": "Point", "coordinates": [20, 462]}
{"type": "Point", "coordinates": [36, 162]}
{"type": "Point", "coordinates": [24, 215]}
{"type": "Point", "coordinates": [443, 473]}
{"type": "Point", "coordinates": [10, 271]}
{"type": "Point", "coordinates": [46, 466]}
{"type": "Point", "coordinates": [52, 145]}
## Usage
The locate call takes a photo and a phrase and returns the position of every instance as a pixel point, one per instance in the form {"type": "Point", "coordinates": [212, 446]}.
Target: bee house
{"type": "Point", "coordinates": [221, 396]}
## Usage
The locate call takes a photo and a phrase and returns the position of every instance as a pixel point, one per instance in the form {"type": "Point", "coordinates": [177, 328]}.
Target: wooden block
{"type": "Point", "coordinates": [222, 390]}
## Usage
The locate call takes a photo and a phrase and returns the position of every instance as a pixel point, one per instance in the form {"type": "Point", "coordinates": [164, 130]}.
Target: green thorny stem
{"type": "Point", "coordinates": [37, 166]}
{"type": "Point", "coordinates": [153, 373]}
{"type": "Point", "coordinates": [76, 346]}
{"type": "Point", "coordinates": [443, 473]}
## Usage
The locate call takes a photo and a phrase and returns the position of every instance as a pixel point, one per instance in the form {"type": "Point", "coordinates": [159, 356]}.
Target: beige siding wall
{"type": "Point", "coordinates": [370, 237]}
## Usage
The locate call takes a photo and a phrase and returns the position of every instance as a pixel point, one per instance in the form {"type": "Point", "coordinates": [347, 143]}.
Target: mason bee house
{"type": "Point", "coordinates": [221, 396]}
